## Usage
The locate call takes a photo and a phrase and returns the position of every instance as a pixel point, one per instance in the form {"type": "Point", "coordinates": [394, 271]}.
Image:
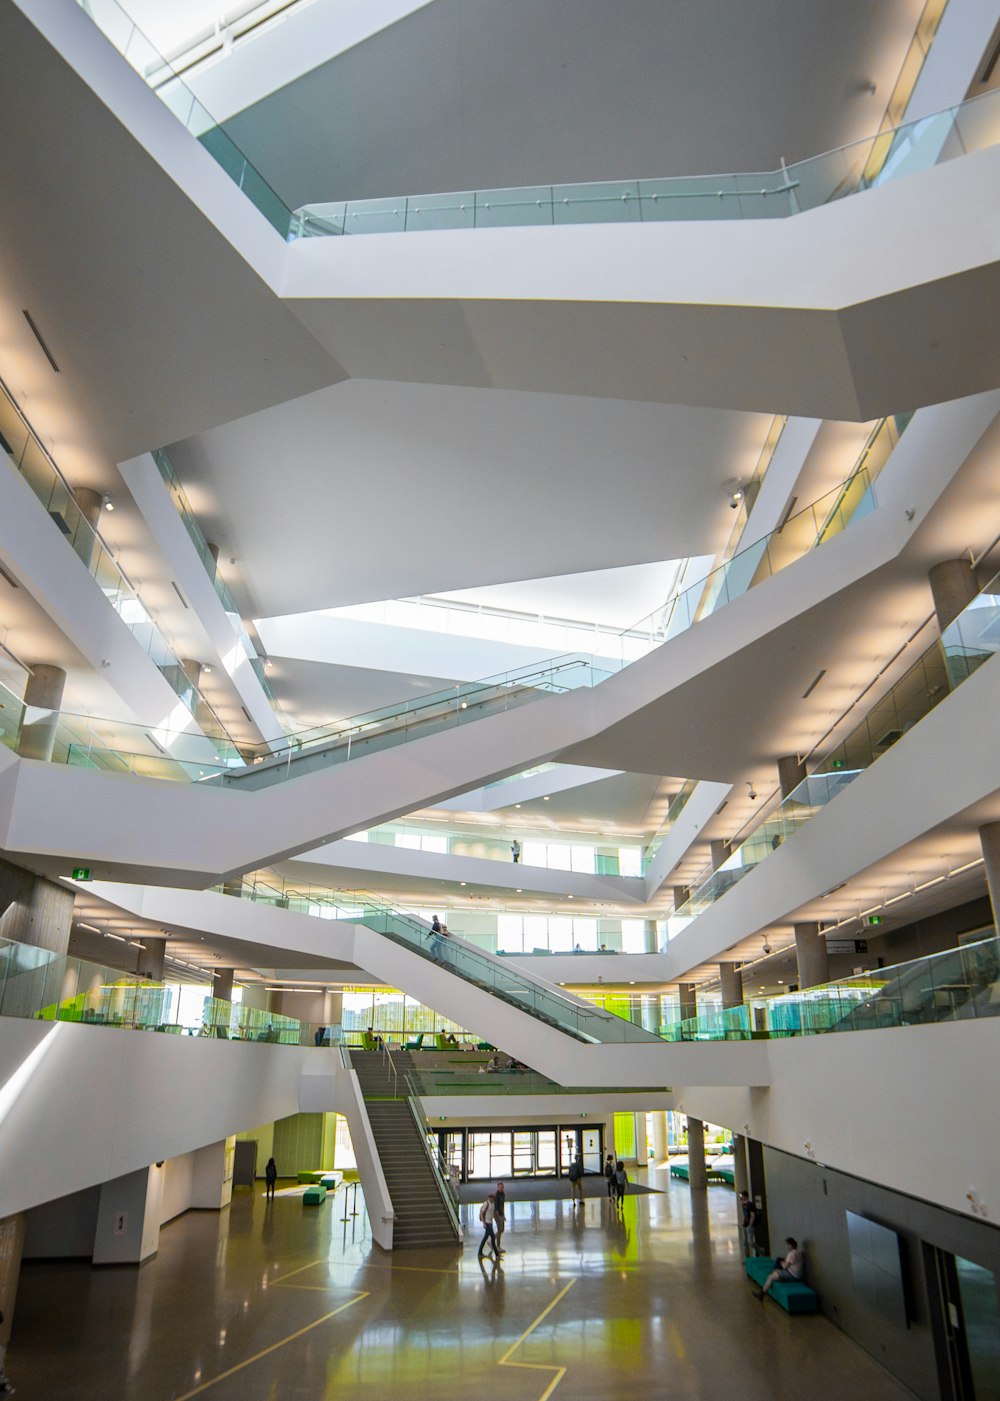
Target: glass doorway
{"type": "Point", "coordinates": [475, 1155]}
{"type": "Point", "coordinates": [968, 1330]}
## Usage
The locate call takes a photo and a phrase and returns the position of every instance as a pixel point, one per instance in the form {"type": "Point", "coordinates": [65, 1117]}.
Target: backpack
{"type": "Point", "coordinates": [575, 1171]}
{"type": "Point", "coordinates": [486, 1212]}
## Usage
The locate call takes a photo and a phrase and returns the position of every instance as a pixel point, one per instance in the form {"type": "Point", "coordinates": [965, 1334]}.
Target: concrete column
{"type": "Point", "coordinates": [85, 541]}
{"type": "Point", "coordinates": [791, 772]}
{"type": "Point", "coordinates": [11, 1250]}
{"type": "Point", "coordinates": [811, 956]}
{"type": "Point", "coordinates": [652, 937]}
{"type": "Point", "coordinates": [720, 852]}
{"type": "Point", "coordinates": [222, 984]}
{"type": "Point", "coordinates": [689, 1000]}
{"type": "Point", "coordinates": [641, 1142]}
{"type": "Point", "coordinates": [697, 1175]}
{"type": "Point", "coordinates": [44, 691]}
{"type": "Point", "coordinates": [953, 585]}
{"type": "Point", "coordinates": [741, 1179]}
{"type": "Point", "coordinates": [33, 911]}
{"type": "Point", "coordinates": [128, 1218]}
{"type": "Point", "coordinates": [150, 964]}
{"type": "Point", "coordinates": [192, 669]}
{"type": "Point", "coordinates": [659, 1119]}
{"type": "Point", "coordinates": [989, 840]}
{"type": "Point", "coordinates": [682, 893]}
{"type": "Point", "coordinates": [90, 503]}
{"type": "Point", "coordinates": [731, 978]}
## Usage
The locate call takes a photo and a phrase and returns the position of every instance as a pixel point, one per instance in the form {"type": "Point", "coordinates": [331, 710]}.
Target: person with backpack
{"type": "Point", "coordinates": [621, 1182]}
{"type": "Point", "coordinates": [609, 1173]}
{"type": "Point", "coordinates": [487, 1214]}
{"type": "Point", "coordinates": [575, 1176]}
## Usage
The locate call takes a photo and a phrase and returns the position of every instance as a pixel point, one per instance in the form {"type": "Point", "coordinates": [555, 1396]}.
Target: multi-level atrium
{"type": "Point", "coordinates": [499, 557]}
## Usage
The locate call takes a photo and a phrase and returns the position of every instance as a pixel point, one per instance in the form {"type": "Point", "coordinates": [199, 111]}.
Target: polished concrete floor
{"type": "Point", "coordinates": [282, 1301]}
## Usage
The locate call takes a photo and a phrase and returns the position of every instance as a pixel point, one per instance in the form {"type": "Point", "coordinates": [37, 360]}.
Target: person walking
{"type": "Point", "coordinates": [575, 1176]}
{"type": "Point", "coordinates": [750, 1219]}
{"type": "Point", "coordinates": [515, 851]}
{"type": "Point", "coordinates": [487, 1215]}
{"type": "Point", "coordinates": [621, 1182]}
{"type": "Point", "coordinates": [609, 1173]}
{"type": "Point", "coordinates": [500, 1216]}
{"type": "Point", "coordinates": [270, 1178]}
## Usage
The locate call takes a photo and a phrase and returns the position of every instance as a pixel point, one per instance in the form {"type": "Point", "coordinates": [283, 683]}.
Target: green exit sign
{"type": "Point", "coordinates": [874, 919]}
{"type": "Point", "coordinates": [81, 873]}
{"type": "Point", "coordinates": [838, 763]}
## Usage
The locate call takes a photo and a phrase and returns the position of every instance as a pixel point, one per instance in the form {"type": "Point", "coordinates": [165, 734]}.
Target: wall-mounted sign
{"type": "Point", "coordinates": [81, 873]}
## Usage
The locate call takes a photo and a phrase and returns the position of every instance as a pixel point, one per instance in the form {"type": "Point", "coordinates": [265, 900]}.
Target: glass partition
{"type": "Point", "coordinates": [960, 984]}
{"type": "Point", "coordinates": [963, 647]}
{"type": "Point", "coordinates": [891, 153]}
{"type": "Point", "coordinates": [32, 461]}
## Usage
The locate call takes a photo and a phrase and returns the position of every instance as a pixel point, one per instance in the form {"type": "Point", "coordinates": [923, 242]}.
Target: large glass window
{"type": "Point", "coordinates": [507, 1153]}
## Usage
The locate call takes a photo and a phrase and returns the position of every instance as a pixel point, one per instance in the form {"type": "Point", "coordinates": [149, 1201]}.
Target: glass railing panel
{"type": "Point", "coordinates": [614, 202]}
{"type": "Point", "coordinates": [375, 216]}
{"type": "Point", "coordinates": [974, 636]}
{"type": "Point", "coordinates": [497, 209]}
{"type": "Point", "coordinates": [447, 211]}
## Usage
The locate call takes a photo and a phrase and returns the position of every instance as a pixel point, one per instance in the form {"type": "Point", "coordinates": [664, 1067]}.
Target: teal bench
{"type": "Point", "coordinates": [314, 1195]}
{"type": "Point", "coordinates": [792, 1295]}
{"type": "Point", "coordinates": [712, 1174]}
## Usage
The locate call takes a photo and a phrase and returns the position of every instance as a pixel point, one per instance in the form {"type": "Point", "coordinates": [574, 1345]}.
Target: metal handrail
{"type": "Point", "coordinates": [448, 1194]}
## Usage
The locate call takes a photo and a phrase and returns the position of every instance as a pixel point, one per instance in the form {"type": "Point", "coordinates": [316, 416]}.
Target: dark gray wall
{"type": "Point", "coordinates": [808, 1201]}
{"type": "Point", "coordinates": [931, 935]}
{"type": "Point", "coordinates": [34, 910]}
{"type": "Point", "coordinates": [478, 94]}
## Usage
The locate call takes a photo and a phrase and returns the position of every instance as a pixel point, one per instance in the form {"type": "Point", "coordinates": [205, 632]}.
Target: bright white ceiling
{"type": "Point", "coordinates": [475, 94]}
{"type": "Point", "coordinates": [370, 489]}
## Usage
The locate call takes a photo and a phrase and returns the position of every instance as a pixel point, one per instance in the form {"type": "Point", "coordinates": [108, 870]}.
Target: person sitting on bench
{"type": "Point", "coordinates": [790, 1268]}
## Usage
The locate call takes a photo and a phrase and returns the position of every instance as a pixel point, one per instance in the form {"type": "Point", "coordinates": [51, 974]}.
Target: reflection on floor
{"type": "Point", "coordinates": [283, 1301]}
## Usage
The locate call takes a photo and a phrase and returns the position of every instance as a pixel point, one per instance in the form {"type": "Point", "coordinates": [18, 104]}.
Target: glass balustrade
{"type": "Point", "coordinates": [890, 153]}
{"type": "Point", "coordinates": [204, 552]}
{"type": "Point", "coordinates": [960, 984]}
{"type": "Point", "coordinates": [317, 747]}
{"type": "Point", "coordinates": [961, 130]}
{"type": "Point", "coordinates": [963, 647]}
{"type": "Point", "coordinates": [38, 984]}
{"type": "Point", "coordinates": [124, 34]}
{"type": "Point", "coordinates": [548, 850]}
{"type": "Point", "coordinates": [32, 461]}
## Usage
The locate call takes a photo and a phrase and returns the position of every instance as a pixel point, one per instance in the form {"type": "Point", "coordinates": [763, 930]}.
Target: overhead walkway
{"type": "Point", "coordinates": [769, 314]}
{"type": "Point", "coordinates": [69, 815]}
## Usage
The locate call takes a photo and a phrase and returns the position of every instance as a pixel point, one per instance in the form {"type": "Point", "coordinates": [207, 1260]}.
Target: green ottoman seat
{"type": "Point", "coordinates": [792, 1295]}
{"type": "Point", "coordinates": [314, 1195]}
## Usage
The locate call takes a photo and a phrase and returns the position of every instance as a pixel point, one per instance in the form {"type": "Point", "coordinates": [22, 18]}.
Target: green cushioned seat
{"type": "Point", "coordinates": [305, 1177]}
{"type": "Point", "coordinates": [679, 1170]}
{"type": "Point", "coordinates": [314, 1195]}
{"type": "Point", "coordinates": [792, 1295]}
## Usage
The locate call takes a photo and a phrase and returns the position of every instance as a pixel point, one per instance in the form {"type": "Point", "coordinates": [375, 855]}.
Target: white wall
{"type": "Point", "coordinates": [142, 477]}
{"type": "Point", "coordinates": [82, 1105]}
{"type": "Point", "coordinates": [338, 1090]}
{"type": "Point", "coordinates": [916, 1109]}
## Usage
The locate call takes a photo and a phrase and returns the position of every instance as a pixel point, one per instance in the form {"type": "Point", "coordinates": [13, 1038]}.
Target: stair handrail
{"type": "Point", "coordinates": [445, 1185]}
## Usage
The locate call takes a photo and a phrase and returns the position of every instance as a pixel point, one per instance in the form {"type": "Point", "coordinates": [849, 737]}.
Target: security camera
{"type": "Point", "coordinates": [767, 948]}
{"type": "Point", "coordinates": [734, 500]}
{"type": "Point", "coordinates": [752, 792]}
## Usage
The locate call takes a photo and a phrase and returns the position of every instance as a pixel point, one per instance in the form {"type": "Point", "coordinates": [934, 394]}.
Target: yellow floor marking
{"type": "Point", "coordinates": [560, 1372]}
{"type": "Point", "coordinates": [292, 1273]}
{"type": "Point", "coordinates": [273, 1348]}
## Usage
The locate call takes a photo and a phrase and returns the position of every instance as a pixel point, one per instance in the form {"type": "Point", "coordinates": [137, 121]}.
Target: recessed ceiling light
{"type": "Point", "coordinates": [546, 798]}
{"type": "Point", "coordinates": [517, 805]}
{"type": "Point", "coordinates": [461, 882]}
{"type": "Point", "coordinates": [519, 891]}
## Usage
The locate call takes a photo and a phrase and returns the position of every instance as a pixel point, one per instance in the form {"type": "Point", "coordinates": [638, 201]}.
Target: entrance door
{"type": "Point", "coordinates": [968, 1316]}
